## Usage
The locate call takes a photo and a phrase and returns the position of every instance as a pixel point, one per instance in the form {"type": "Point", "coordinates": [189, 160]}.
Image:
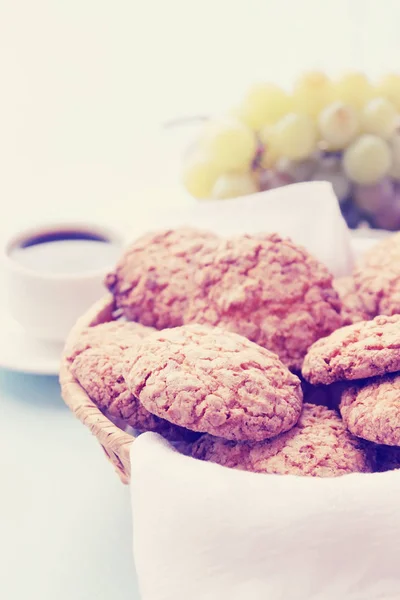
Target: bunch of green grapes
{"type": "Point", "coordinates": [345, 131]}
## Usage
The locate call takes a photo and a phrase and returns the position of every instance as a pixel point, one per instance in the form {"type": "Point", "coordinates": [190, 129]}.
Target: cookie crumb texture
{"type": "Point", "coordinates": [121, 334]}
{"type": "Point", "coordinates": [371, 410]}
{"type": "Point", "coordinates": [270, 291]}
{"type": "Point", "coordinates": [99, 371]}
{"type": "Point", "coordinates": [377, 278]}
{"type": "Point", "coordinates": [318, 446]}
{"type": "Point", "coordinates": [365, 349]}
{"type": "Point", "coordinates": [210, 380]}
{"type": "Point", "coordinates": [353, 310]}
{"type": "Point", "coordinates": [153, 281]}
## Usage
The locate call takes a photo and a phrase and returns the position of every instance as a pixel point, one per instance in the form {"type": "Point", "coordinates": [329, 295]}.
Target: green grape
{"type": "Point", "coordinates": [379, 116]}
{"type": "Point", "coordinates": [230, 144]}
{"type": "Point", "coordinates": [395, 148]}
{"type": "Point", "coordinates": [389, 87]}
{"type": "Point", "coordinates": [338, 125]}
{"type": "Point", "coordinates": [233, 185]}
{"type": "Point", "coordinates": [297, 170]}
{"type": "Point", "coordinates": [270, 180]}
{"type": "Point", "coordinates": [271, 154]}
{"type": "Point", "coordinates": [374, 198]}
{"type": "Point", "coordinates": [199, 175]}
{"type": "Point", "coordinates": [295, 136]}
{"type": "Point", "coordinates": [311, 93]}
{"type": "Point", "coordinates": [354, 89]}
{"type": "Point", "coordinates": [367, 159]}
{"type": "Point", "coordinates": [269, 158]}
{"type": "Point", "coordinates": [331, 170]}
{"type": "Point", "coordinates": [388, 216]}
{"type": "Point", "coordinates": [264, 104]}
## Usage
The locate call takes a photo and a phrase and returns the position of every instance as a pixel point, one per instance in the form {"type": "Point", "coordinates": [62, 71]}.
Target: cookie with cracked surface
{"type": "Point", "coordinates": [153, 281]}
{"type": "Point", "coordinates": [318, 446]}
{"type": "Point", "coordinates": [357, 351]}
{"type": "Point", "coordinates": [353, 309]}
{"type": "Point", "coordinates": [99, 371]}
{"type": "Point", "coordinates": [122, 334]}
{"type": "Point", "coordinates": [387, 458]}
{"type": "Point", "coordinates": [211, 380]}
{"type": "Point", "coordinates": [371, 409]}
{"type": "Point", "coordinates": [269, 290]}
{"type": "Point", "coordinates": [377, 277]}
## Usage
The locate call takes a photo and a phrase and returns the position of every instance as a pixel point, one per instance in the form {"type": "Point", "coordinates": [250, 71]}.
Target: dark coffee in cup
{"type": "Point", "coordinates": [54, 273]}
{"type": "Point", "coordinates": [66, 251]}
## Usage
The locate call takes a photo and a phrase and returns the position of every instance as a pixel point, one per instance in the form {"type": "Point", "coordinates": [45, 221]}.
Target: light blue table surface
{"type": "Point", "coordinates": [65, 519]}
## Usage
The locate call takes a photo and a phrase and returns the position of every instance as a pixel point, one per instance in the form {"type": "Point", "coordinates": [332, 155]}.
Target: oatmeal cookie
{"type": "Point", "coordinates": [121, 334]}
{"type": "Point", "coordinates": [357, 351]}
{"type": "Point", "coordinates": [377, 278]}
{"type": "Point", "coordinates": [214, 381]}
{"type": "Point", "coordinates": [99, 371]}
{"type": "Point", "coordinates": [269, 290]}
{"type": "Point", "coordinates": [353, 309]}
{"type": "Point", "coordinates": [371, 409]}
{"type": "Point", "coordinates": [318, 446]}
{"type": "Point", "coordinates": [153, 281]}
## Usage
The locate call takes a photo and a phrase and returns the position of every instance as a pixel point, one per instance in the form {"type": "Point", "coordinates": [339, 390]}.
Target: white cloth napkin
{"type": "Point", "coordinates": [307, 212]}
{"type": "Point", "coordinates": [206, 532]}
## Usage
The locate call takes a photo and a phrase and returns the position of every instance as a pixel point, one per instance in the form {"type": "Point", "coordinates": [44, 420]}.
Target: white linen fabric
{"type": "Point", "coordinates": [205, 532]}
{"type": "Point", "coordinates": [307, 212]}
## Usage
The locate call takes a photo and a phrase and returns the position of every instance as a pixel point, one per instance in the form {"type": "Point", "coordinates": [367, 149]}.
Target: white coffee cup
{"type": "Point", "coordinates": [48, 303]}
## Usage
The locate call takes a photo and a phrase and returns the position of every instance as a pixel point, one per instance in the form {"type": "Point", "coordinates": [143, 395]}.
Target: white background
{"type": "Point", "coordinates": [84, 86]}
{"type": "Point", "coordinates": [84, 83]}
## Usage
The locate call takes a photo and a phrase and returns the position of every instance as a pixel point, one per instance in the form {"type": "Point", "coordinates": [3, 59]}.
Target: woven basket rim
{"type": "Point", "coordinates": [116, 443]}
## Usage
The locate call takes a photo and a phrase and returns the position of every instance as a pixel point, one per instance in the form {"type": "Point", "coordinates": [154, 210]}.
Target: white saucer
{"type": "Point", "coordinates": [20, 352]}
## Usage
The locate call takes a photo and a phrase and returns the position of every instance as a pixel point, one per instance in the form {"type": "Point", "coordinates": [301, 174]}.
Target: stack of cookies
{"type": "Point", "coordinates": [246, 353]}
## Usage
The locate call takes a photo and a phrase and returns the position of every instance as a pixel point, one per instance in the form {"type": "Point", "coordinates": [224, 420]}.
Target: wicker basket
{"type": "Point", "coordinates": [114, 441]}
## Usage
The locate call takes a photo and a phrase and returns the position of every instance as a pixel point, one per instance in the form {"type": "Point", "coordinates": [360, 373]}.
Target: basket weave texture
{"type": "Point", "coordinates": [115, 442]}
